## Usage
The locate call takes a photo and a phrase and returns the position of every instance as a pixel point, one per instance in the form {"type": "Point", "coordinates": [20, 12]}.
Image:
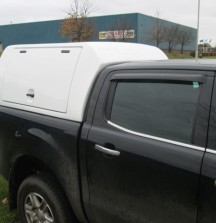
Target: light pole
{"type": "Point", "coordinates": [197, 40]}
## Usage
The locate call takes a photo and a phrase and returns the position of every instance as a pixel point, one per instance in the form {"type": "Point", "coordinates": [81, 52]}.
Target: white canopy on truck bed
{"type": "Point", "coordinates": [56, 79]}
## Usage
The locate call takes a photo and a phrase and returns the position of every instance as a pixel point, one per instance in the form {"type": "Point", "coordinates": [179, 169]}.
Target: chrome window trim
{"type": "Point", "coordinates": [211, 151]}
{"type": "Point", "coordinates": [157, 138]}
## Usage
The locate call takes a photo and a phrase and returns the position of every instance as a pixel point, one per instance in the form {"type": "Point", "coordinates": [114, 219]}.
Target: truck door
{"type": "Point", "coordinates": [207, 199]}
{"type": "Point", "coordinates": [145, 146]}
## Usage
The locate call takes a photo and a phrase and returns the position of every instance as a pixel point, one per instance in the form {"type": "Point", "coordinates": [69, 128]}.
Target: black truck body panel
{"type": "Point", "coordinates": [29, 136]}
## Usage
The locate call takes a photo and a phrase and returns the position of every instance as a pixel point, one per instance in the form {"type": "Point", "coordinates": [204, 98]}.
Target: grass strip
{"type": "Point", "coordinates": [6, 216]}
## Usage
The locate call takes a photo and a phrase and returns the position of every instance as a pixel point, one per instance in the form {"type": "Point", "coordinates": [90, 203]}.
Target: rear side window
{"type": "Point", "coordinates": [165, 109]}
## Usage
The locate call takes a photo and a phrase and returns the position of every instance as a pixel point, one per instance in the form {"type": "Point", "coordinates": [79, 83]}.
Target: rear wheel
{"type": "Point", "coordinates": [40, 200]}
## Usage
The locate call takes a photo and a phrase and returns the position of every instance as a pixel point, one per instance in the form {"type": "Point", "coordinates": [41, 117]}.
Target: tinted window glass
{"type": "Point", "coordinates": [158, 108]}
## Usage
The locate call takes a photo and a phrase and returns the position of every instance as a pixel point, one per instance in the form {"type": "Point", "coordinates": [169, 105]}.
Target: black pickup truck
{"type": "Point", "coordinates": [145, 151]}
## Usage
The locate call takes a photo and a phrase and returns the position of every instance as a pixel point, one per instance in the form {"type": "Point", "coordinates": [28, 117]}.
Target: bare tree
{"type": "Point", "coordinates": [120, 30]}
{"type": "Point", "coordinates": [170, 35]}
{"type": "Point", "coordinates": [76, 26]}
{"type": "Point", "coordinates": [156, 34]}
{"type": "Point", "coordinates": [185, 37]}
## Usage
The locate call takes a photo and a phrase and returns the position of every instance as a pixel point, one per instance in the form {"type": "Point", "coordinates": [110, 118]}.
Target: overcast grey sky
{"type": "Point", "coordinates": [180, 11]}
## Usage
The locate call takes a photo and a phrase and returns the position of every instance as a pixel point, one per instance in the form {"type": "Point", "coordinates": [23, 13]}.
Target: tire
{"type": "Point", "coordinates": [40, 200]}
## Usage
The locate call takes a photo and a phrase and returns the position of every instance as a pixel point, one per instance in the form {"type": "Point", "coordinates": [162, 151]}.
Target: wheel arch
{"type": "Point", "coordinates": [23, 167]}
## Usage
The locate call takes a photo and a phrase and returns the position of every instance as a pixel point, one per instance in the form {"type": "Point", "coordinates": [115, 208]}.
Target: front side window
{"type": "Point", "coordinates": [165, 109]}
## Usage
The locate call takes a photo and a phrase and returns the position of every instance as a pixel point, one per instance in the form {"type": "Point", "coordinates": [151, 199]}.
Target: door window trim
{"type": "Point", "coordinates": [211, 151]}
{"type": "Point", "coordinates": [156, 138]}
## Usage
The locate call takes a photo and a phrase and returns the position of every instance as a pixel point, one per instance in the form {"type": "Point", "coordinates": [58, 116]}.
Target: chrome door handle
{"type": "Point", "coordinates": [107, 151]}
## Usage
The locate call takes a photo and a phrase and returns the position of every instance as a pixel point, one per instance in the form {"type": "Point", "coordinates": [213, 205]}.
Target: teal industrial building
{"type": "Point", "coordinates": [139, 27]}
